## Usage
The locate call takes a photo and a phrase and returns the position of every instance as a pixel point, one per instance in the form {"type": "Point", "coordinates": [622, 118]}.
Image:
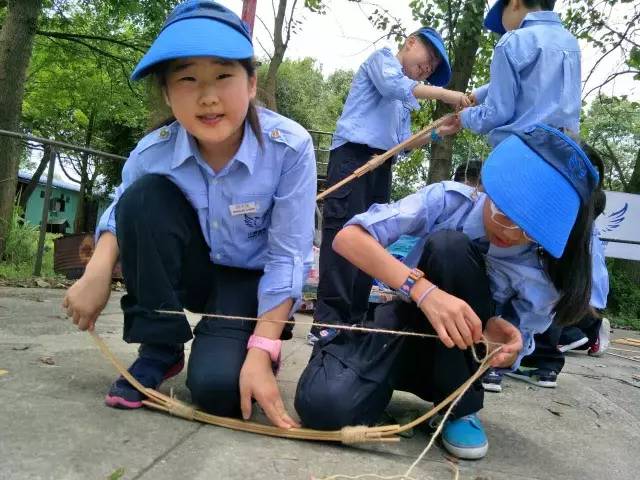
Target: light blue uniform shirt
{"type": "Point", "coordinates": [256, 213]}
{"type": "Point", "coordinates": [516, 275]}
{"type": "Point", "coordinates": [377, 112]}
{"type": "Point", "coordinates": [534, 78]}
{"type": "Point", "coordinates": [599, 273]}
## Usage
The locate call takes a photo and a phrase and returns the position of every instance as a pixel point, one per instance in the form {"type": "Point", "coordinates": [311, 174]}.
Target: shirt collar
{"type": "Point", "coordinates": [543, 16]}
{"type": "Point", "coordinates": [473, 226]}
{"type": "Point", "coordinates": [186, 147]}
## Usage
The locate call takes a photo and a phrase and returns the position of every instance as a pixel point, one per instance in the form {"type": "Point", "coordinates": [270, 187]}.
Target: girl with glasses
{"type": "Point", "coordinates": [477, 270]}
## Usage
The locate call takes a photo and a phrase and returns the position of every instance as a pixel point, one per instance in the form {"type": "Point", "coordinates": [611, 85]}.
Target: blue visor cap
{"type": "Point", "coordinates": [198, 29]}
{"type": "Point", "coordinates": [540, 180]}
{"type": "Point", "coordinates": [493, 20]}
{"type": "Point", "coordinates": [442, 75]}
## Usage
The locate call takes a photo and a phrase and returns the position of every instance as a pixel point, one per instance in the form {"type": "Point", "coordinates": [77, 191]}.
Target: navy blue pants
{"type": "Point", "coordinates": [546, 354]}
{"type": "Point", "coordinates": [351, 376]}
{"type": "Point", "coordinates": [343, 290]}
{"type": "Point", "coordinates": [166, 265]}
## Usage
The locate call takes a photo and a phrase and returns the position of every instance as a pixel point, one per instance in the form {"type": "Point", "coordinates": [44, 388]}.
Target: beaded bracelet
{"type": "Point", "coordinates": [425, 294]}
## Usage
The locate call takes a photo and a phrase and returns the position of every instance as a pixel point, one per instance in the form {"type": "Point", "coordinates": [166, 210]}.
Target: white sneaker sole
{"type": "Point", "coordinates": [492, 387]}
{"type": "Point", "coordinates": [573, 345]}
{"type": "Point", "coordinates": [530, 380]}
{"type": "Point", "coordinates": [466, 453]}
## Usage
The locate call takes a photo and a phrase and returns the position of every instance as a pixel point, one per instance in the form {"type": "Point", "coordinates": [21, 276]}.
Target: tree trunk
{"type": "Point", "coordinates": [16, 41]}
{"type": "Point", "coordinates": [634, 183]}
{"type": "Point", "coordinates": [279, 49]}
{"type": "Point", "coordinates": [468, 32]}
{"type": "Point", "coordinates": [33, 183]}
{"type": "Point", "coordinates": [80, 222]}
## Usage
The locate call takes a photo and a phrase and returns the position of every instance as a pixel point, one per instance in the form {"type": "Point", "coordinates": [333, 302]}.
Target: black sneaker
{"type": "Point", "coordinates": [154, 365]}
{"type": "Point", "coordinates": [492, 381]}
{"type": "Point", "coordinates": [537, 376]}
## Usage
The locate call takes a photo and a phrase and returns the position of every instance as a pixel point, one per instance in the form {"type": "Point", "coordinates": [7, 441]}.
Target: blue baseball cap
{"type": "Point", "coordinates": [198, 28]}
{"type": "Point", "coordinates": [540, 179]}
{"type": "Point", "coordinates": [441, 76]}
{"type": "Point", "coordinates": [493, 20]}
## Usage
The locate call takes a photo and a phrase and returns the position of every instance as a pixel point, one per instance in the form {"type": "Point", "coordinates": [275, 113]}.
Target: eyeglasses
{"type": "Point", "coordinates": [505, 222]}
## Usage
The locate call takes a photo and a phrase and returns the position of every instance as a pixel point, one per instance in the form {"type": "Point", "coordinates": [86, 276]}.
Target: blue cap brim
{"type": "Point", "coordinates": [442, 75]}
{"type": "Point", "coordinates": [493, 20]}
{"type": "Point", "coordinates": [532, 193]}
{"type": "Point", "coordinates": [194, 37]}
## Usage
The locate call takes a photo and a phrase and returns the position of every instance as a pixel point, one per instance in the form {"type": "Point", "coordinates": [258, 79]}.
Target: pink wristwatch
{"type": "Point", "coordinates": [272, 347]}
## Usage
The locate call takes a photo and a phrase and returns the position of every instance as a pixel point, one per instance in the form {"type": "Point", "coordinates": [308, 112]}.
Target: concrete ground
{"type": "Point", "coordinates": [53, 424]}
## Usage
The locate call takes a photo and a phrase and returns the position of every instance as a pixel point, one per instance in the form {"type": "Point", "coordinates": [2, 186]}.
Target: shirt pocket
{"type": "Point", "coordinates": [251, 216]}
{"type": "Point", "coordinates": [199, 200]}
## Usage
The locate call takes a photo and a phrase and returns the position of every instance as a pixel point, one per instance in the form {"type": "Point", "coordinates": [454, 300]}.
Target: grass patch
{"type": "Point", "coordinates": [624, 322]}
{"type": "Point", "coordinates": [21, 248]}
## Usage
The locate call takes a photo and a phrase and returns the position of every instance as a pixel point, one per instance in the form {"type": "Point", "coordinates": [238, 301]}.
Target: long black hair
{"type": "Point", "coordinates": [571, 273]}
{"type": "Point", "coordinates": [249, 65]}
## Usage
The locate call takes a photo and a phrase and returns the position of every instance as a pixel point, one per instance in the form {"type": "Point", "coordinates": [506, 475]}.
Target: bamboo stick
{"type": "Point", "coordinates": [378, 160]}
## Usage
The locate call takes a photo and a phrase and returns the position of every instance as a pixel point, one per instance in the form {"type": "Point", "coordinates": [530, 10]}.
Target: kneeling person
{"type": "Point", "coordinates": [482, 257]}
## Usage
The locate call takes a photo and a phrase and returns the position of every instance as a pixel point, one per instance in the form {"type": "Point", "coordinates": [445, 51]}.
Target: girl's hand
{"type": "Point", "coordinates": [457, 100]}
{"type": "Point", "coordinates": [257, 381]}
{"type": "Point", "coordinates": [498, 330]}
{"type": "Point", "coordinates": [87, 297]}
{"type": "Point", "coordinates": [450, 126]}
{"type": "Point", "coordinates": [453, 319]}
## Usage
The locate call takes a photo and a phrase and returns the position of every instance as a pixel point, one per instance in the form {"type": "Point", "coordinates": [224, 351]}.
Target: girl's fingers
{"type": "Point", "coordinates": [475, 323]}
{"type": "Point", "coordinates": [452, 330]}
{"type": "Point", "coordinates": [464, 331]}
{"type": "Point", "coordinates": [284, 415]}
{"type": "Point", "coordinates": [443, 335]}
{"type": "Point", "coordinates": [274, 415]}
{"type": "Point", "coordinates": [245, 401]}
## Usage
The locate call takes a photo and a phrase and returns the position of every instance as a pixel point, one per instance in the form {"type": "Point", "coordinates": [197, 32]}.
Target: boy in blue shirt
{"type": "Point", "coordinates": [376, 117]}
{"type": "Point", "coordinates": [535, 73]}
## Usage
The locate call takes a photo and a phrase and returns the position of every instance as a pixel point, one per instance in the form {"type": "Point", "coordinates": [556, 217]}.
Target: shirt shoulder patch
{"type": "Point", "coordinates": [460, 188]}
{"type": "Point", "coordinates": [161, 135]}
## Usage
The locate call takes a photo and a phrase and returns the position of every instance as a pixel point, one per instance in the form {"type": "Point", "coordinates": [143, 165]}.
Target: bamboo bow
{"type": "Point", "coordinates": [347, 435]}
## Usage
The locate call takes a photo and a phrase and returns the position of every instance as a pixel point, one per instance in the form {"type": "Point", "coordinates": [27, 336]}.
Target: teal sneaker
{"type": "Point", "coordinates": [465, 437]}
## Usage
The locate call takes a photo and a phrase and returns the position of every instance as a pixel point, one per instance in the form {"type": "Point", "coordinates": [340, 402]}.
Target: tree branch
{"type": "Point", "coordinates": [72, 36]}
{"type": "Point", "coordinates": [265, 27]}
{"type": "Point", "coordinates": [622, 37]}
{"type": "Point", "coordinates": [289, 22]}
{"type": "Point", "coordinates": [609, 78]}
{"type": "Point", "coordinates": [98, 50]}
{"type": "Point", "coordinates": [64, 170]}
{"type": "Point", "coordinates": [616, 164]}
{"type": "Point", "coordinates": [264, 49]}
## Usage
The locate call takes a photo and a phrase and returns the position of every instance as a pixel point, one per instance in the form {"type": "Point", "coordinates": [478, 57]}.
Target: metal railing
{"type": "Point", "coordinates": [321, 142]}
{"type": "Point", "coordinates": [56, 147]}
